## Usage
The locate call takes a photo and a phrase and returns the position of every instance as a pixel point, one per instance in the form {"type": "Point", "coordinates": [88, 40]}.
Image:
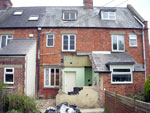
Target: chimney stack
{"type": "Point", "coordinates": [88, 4]}
{"type": "Point", "coordinates": [4, 4]}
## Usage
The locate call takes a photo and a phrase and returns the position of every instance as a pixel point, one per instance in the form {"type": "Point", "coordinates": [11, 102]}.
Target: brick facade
{"type": "Point", "coordinates": [18, 63]}
{"type": "Point", "coordinates": [87, 40]}
{"type": "Point", "coordinates": [124, 89]}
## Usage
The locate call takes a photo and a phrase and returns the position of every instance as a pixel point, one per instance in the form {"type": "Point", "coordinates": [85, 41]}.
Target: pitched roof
{"type": "Point", "coordinates": [52, 17]}
{"type": "Point", "coordinates": [101, 62]}
{"type": "Point", "coordinates": [18, 47]}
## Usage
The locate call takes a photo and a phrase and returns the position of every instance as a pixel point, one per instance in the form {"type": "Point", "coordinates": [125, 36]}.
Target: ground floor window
{"type": "Point", "coordinates": [121, 74]}
{"type": "Point", "coordinates": [51, 77]}
{"type": "Point", "coordinates": [9, 75]}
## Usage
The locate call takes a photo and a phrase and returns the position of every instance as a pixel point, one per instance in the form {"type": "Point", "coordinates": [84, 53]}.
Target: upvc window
{"type": "Point", "coordinates": [69, 15]}
{"type": "Point", "coordinates": [9, 75]}
{"type": "Point", "coordinates": [121, 74]}
{"type": "Point", "coordinates": [118, 44]}
{"type": "Point", "coordinates": [5, 39]}
{"type": "Point", "coordinates": [51, 77]}
{"type": "Point", "coordinates": [50, 40]}
{"type": "Point", "coordinates": [133, 40]}
{"type": "Point", "coordinates": [68, 42]}
{"type": "Point", "coordinates": [108, 15]}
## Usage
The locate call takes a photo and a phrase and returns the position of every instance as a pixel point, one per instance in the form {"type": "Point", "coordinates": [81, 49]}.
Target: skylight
{"type": "Point", "coordinates": [18, 12]}
{"type": "Point", "coordinates": [33, 17]}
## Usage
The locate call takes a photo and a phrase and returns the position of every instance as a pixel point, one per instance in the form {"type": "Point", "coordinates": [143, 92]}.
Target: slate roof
{"type": "Point", "coordinates": [18, 47]}
{"type": "Point", "coordinates": [52, 17]}
{"type": "Point", "coordinates": [101, 62]}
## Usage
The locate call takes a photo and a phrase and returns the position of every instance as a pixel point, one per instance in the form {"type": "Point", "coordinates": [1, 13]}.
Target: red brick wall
{"type": "Point", "coordinates": [87, 40]}
{"type": "Point", "coordinates": [18, 72]}
{"type": "Point", "coordinates": [125, 89]}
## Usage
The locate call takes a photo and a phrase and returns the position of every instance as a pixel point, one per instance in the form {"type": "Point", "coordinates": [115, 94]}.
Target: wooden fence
{"type": "Point", "coordinates": [115, 103]}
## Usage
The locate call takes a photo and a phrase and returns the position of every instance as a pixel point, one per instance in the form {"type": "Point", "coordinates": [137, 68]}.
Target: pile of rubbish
{"type": "Point", "coordinates": [64, 108]}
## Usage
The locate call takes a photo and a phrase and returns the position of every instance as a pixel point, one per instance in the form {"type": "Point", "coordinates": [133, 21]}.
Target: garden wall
{"type": "Point", "coordinates": [115, 103]}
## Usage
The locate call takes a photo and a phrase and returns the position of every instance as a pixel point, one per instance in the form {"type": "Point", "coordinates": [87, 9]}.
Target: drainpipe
{"type": "Point", "coordinates": [143, 38]}
{"type": "Point", "coordinates": [38, 62]}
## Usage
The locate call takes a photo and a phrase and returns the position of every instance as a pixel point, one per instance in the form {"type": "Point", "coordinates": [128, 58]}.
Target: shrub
{"type": "Point", "coordinates": [147, 89]}
{"type": "Point", "coordinates": [24, 104]}
{"type": "Point", "coordinates": [13, 111]}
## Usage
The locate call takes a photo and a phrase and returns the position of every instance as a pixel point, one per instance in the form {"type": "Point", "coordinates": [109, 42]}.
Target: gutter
{"type": "Point", "coordinates": [143, 39]}
{"type": "Point", "coordinates": [38, 62]}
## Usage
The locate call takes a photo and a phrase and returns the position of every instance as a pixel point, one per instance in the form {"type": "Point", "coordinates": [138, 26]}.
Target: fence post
{"type": "Point", "coordinates": [135, 97]}
{"type": "Point", "coordinates": [1, 103]}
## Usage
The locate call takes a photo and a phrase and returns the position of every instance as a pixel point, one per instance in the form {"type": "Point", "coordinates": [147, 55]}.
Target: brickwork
{"type": "Point", "coordinates": [125, 89]}
{"type": "Point", "coordinates": [18, 72]}
{"type": "Point", "coordinates": [87, 40]}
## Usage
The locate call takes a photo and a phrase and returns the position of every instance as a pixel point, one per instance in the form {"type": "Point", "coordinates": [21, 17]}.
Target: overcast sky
{"type": "Point", "coordinates": [142, 6]}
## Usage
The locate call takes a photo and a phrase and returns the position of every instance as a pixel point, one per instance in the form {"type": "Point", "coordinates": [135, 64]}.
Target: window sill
{"type": "Point", "coordinates": [120, 83]}
{"type": "Point", "coordinates": [117, 51]}
{"type": "Point", "coordinates": [68, 51]}
{"type": "Point", "coordinates": [51, 88]}
{"type": "Point", "coordinates": [133, 46]}
{"type": "Point", "coordinates": [11, 83]}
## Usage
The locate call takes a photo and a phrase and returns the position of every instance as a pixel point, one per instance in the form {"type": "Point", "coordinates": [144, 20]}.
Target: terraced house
{"type": "Point", "coordinates": [81, 46]}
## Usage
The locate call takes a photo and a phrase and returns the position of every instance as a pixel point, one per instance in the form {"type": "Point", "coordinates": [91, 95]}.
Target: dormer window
{"type": "Point", "coordinates": [69, 15]}
{"type": "Point", "coordinates": [33, 18]}
{"type": "Point", "coordinates": [108, 14]}
{"type": "Point", "coordinates": [18, 12]}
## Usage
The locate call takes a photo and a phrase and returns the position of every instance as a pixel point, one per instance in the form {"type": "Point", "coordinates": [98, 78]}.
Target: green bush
{"type": "Point", "coordinates": [13, 111]}
{"type": "Point", "coordinates": [24, 104]}
{"type": "Point", "coordinates": [147, 89]}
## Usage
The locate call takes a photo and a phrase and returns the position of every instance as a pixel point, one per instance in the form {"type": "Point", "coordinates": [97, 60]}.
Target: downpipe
{"type": "Point", "coordinates": [143, 39]}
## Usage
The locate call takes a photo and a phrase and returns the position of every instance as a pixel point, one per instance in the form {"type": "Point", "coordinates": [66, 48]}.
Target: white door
{"type": "Point", "coordinates": [70, 81]}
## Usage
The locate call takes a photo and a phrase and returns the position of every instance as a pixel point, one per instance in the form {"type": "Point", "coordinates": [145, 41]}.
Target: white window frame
{"type": "Point", "coordinates": [109, 14]}
{"type": "Point", "coordinates": [131, 67]}
{"type": "Point", "coordinates": [6, 39]}
{"type": "Point", "coordinates": [133, 37]}
{"type": "Point", "coordinates": [49, 38]}
{"type": "Point", "coordinates": [117, 44]}
{"type": "Point", "coordinates": [49, 85]}
{"type": "Point", "coordinates": [69, 15]}
{"type": "Point", "coordinates": [8, 73]}
{"type": "Point", "coordinates": [69, 42]}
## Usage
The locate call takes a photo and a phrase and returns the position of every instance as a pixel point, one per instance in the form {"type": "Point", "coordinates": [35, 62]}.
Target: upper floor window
{"type": "Point", "coordinates": [9, 75]}
{"type": "Point", "coordinates": [50, 40]}
{"type": "Point", "coordinates": [121, 74]}
{"type": "Point", "coordinates": [133, 40]}
{"type": "Point", "coordinates": [69, 15]}
{"type": "Point", "coordinates": [5, 39]}
{"type": "Point", "coordinates": [68, 42]}
{"type": "Point", "coordinates": [51, 77]}
{"type": "Point", "coordinates": [108, 15]}
{"type": "Point", "coordinates": [118, 44]}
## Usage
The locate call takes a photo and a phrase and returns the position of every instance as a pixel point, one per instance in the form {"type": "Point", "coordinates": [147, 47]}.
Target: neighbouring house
{"type": "Point", "coordinates": [18, 65]}
{"type": "Point", "coordinates": [4, 4]}
{"type": "Point", "coordinates": [83, 46]}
